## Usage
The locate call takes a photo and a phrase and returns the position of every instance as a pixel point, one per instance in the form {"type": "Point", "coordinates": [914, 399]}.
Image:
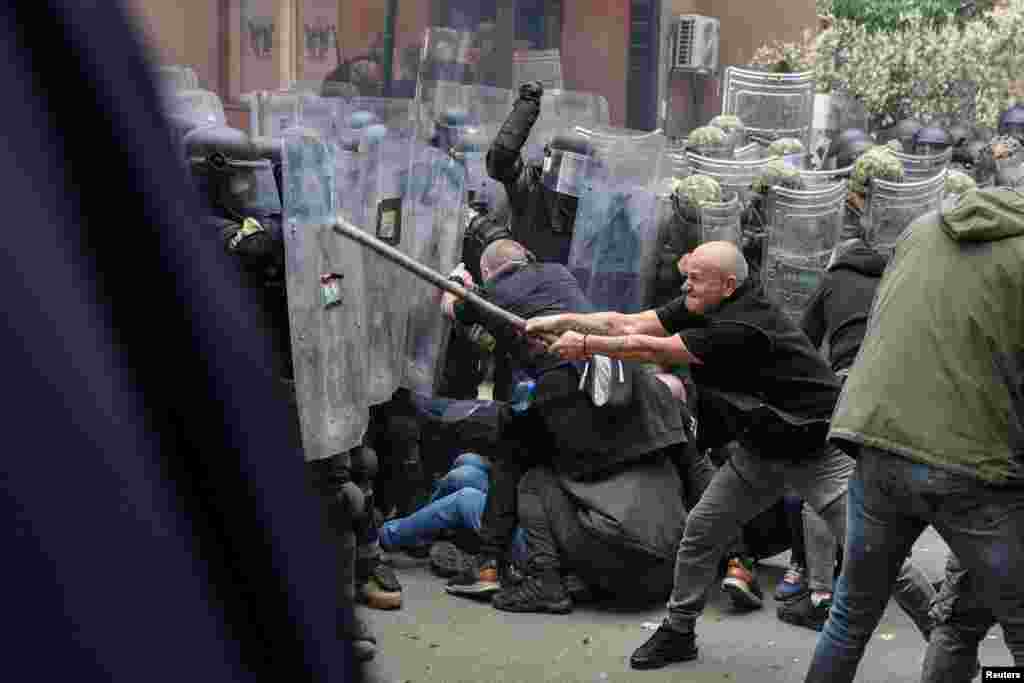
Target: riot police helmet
{"type": "Point", "coordinates": [844, 140]}
{"type": "Point", "coordinates": [930, 140]}
{"type": "Point", "coordinates": [569, 161]}
{"type": "Point", "coordinates": [231, 174]}
{"type": "Point", "coordinates": [961, 134]}
{"type": "Point", "coordinates": [903, 131]}
{"type": "Point", "coordinates": [1011, 121]}
{"type": "Point", "coordinates": [851, 151]}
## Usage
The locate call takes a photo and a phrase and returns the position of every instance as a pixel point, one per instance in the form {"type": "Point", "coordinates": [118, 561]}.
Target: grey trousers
{"type": "Point", "coordinates": [743, 488]}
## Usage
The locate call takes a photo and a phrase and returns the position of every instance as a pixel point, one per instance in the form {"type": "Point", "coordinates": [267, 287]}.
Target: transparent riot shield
{"type": "Point", "coordinates": [559, 110]}
{"type": "Point", "coordinates": [804, 228]}
{"type": "Point", "coordinates": [276, 112]}
{"type": "Point", "coordinates": [731, 174]}
{"type": "Point", "coordinates": [433, 213]}
{"type": "Point", "coordinates": [918, 167]}
{"type": "Point", "coordinates": [174, 78]}
{"type": "Point", "coordinates": [720, 221]}
{"type": "Point", "coordinates": [202, 106]}
{"type": "Point", "coordinates": [322, 114]}
{"type": "Point", "coordinates": [816, 179]}
{"type": "Point", "coordinates": [771, 105]}
{"type": "Point", "coordinates": [371, 164]}
{"type": "Point", "coordinates": [673, 237]}
{"type": "Point", "coordinates": [833, 113]}
{"type": "Point", "coordinates": [615, 239]}
{"type": "Point", "coordinates": [326, 302]}
{"type": "Point", "coordinates": [891, 207]}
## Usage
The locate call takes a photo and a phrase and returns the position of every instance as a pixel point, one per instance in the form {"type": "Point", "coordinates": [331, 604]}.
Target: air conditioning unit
{"type": "Point", "coordinates": [696, 43]}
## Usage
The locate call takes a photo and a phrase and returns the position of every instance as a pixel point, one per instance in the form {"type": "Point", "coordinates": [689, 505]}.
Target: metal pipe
{"type": "Point", "coordinates": [346, 229]}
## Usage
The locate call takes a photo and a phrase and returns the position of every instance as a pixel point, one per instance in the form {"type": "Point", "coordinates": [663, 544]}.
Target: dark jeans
{"type": "Point", "coordinates": [891, 501]}
{"type": "Point", "coordinates": [740, 490]}
{"type": "Point", "coordinates": [556, 540]}
{"type": "Point", "coordinates": [961, 622]}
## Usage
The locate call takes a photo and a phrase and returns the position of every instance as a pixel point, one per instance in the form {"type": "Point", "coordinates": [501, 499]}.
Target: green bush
{"type": "Point", "coordinates": [889, 15]}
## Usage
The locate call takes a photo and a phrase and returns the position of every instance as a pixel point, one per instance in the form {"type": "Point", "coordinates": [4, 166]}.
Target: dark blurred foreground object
{"type": "Point", "coordinates": [158, 524]}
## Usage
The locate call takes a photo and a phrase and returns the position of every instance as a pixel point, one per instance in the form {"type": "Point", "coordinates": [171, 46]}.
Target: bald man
{"type": "Point", "coordinates": [762, 383]}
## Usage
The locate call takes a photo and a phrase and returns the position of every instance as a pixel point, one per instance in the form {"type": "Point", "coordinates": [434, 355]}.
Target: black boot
{"type": "Point", "coordinates": [539, 592]}
{"type": "Point", "coordinates": [666, 646]}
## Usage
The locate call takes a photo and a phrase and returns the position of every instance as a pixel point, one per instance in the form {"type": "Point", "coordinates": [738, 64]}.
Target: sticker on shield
{"type": "Point", "coordinates": [330, 289]}
{"type": "Point", "coordinates": [389, 220]}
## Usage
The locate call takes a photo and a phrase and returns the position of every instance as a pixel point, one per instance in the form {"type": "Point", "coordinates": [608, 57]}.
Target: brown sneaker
{"type": "Point", "coordinates": [380, 590]}
{"type": "Point", "coordinates": [741, 584]}
{"type": "Point", "coordinates": [480, 580]}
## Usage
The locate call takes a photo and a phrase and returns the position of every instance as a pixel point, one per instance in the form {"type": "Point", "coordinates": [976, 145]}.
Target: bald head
{"type": "Point", "coordinates": [725, 257]}
{"type": "Point", "coordinates": [499, 254]}
{"type": "Point", "coordinates": [714, 271]}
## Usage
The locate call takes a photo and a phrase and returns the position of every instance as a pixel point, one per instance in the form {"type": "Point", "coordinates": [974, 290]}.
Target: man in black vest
{"type": "Point", "coordinates": [760, 380]}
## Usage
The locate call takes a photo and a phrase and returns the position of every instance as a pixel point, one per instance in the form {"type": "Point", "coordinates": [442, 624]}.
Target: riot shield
{"type": "Point", "coordinates": [731, 174]}
{"type": "Point", "coordinates": [614, 244]}
{"type": "Point", "coordinates": [371, 162]}
{"type": "Point", "coordinates": [771, 105]}
{"type": "Point", "coordinates": [561, 109]}
{"type": "Point", "coordinates": [918, 167]}
{"type": "Point", "coordinates": [833, 114]}
{"type": "Point", "coordinates": [891, 207]}
{"type": "Point", "coordinates": [202, 106]}
{"type": "Point", "coordinates": [804, 229]}
{"type": "Point", "coordinates": [326, 302]}
{"type": "Point", "coordinates": [720, 221]}
{"type": "Point", "coordinates": [433, 212]}
{"type": "Point", "coordinates": [174, 78]}
{"type": "Point", "coordinates": [816, 179]}
{"type": "Point", "coordinates": [488, 109]}
{"type": "Point", "coordinates": [673, 238]}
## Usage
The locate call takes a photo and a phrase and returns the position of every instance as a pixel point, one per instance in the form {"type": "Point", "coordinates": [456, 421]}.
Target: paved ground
{"type": "Point", "coordinates": [442, 639]}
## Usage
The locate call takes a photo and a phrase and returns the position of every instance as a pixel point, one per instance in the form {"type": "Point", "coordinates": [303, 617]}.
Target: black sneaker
{"type": "Point", "coordinates": [534, 594]}
{"type": "Point", "coordinates": [447, 560]}
{"type": "Point", "coordinates": [578, 589]}
{"type": "Point", "coordinates": [666, 646]}
{"type": "Point", "coordinates": [800, 611]}
{"type": "Point", "coordinates": [479, 580]}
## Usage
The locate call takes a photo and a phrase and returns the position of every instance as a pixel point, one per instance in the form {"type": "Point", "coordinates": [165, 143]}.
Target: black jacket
{"type": "Point", "coordinates": [531, 218]}
{"type": "Point", "coordinates": [839, 310]}
{"type": "Point", "coordinates": [588, 442]}
{"type": "Point", "coordinates": [762, 383]}
{"type": "Point", "coordinates": [528, 290]}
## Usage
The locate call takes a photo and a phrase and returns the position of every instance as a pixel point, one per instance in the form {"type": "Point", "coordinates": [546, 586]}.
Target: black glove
{"type": "Point", "coordinates": [531, 91]}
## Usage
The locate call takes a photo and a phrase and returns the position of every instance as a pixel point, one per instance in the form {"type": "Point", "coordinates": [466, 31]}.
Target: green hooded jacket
{"type": "Point", "coordinates": [940, 376]}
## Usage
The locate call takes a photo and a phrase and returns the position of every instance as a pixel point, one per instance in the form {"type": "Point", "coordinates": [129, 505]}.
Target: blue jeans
{"type": "Point", "coordinates": [457, 502]}
{"type": "Point", "coordinates": [891, 501]}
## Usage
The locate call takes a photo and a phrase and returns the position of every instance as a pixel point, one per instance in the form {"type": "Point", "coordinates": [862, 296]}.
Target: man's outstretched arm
{"type": "Point", "coordinates": [665, 351]}
{"type": "Point", "coordinates": [609, 324]}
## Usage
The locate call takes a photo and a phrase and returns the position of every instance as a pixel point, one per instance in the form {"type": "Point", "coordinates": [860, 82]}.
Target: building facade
{"type": "Point", "coordinates": [611, 47]}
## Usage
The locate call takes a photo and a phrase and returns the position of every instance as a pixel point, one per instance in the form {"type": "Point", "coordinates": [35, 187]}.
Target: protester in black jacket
{"type": "Point", "coordinates": [559, 428]}
{"type": "Point", "coordinates": [838, 311]}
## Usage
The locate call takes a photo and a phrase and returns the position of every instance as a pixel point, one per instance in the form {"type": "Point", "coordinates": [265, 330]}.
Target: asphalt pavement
{"type": "Point", "coordinates": [439, 638]}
